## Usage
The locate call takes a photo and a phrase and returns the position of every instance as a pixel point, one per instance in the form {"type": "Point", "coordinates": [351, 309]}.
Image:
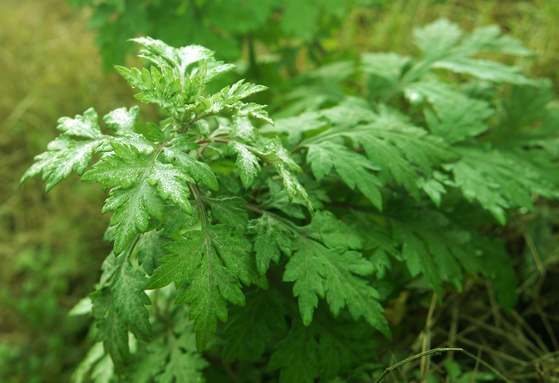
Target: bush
{"type": "Point", "coordinates": [295, 233]}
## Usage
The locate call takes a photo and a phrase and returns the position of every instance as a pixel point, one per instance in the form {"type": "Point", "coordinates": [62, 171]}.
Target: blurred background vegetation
{"type": "Point", "coordinates": [50, 245]}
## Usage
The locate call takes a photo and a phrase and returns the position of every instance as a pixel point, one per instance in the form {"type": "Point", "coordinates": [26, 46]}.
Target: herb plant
{"type": "Point", "coordinates": [294, 234]}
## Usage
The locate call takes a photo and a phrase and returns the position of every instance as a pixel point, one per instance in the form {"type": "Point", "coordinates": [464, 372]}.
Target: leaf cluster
{"type": "Point", "coordinates": [295, 233]}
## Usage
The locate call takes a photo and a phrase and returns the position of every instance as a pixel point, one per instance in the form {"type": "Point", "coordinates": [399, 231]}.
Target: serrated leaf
{"type": "Point", "coordinates": [155, 134]}
{"type": "Point", "coordinates": [181, 265]}
{"type": "Point", "coordinates": [93, 355]}
{"type": "Point", "coordinates": [253, 110]}
{"type": "Point", "coordinates": [229, 211]}
{"type": "Point", "coordinates": [459, 116]}
{"type": "Point", "coordinates": [436, 248]}
{"type": "Point", "coordinates": [249, 332]}
{"type": "Point", "coordinates": [275, 154]}
{"type": "Point", "coordinates": [112, 329]}
{"type": "Point", "coordinates": [244, 129]}
{"type": "Point", "coordinates": [332, 232]}
{"type": "Point", "coordinates": [171, 183]}
{"type": "Point", "coordinates": [386, 65]}
{"type": "Point", "coordinates": [270, 240]}
{"type": "Point", "coordinates": [320, 160]}
{"type": "Point", "coordinates": [335, 274]}
{"type": "Point", "coordinates": [293, 186]}
{"type": "Point", "coordinates": [497, 180]}
{"type": "Point", "coordinates": [200, 171]}
{"type": "Point", "coordinates": [103, 371]}
{"type": "Point", "coordinates": [184, 142]}
{"type": "Point", "coordinates": [525, 105]}
{"type": "Point", "coordinates": [137, 140]}
{"type": "Point", "coordinates": [239, 90]}
{"type": "Point", "coordinates": [130, 300]}
{"type": "Point", "coordinates": [236, 251]}
{"type": "Point", "coordinates": [81, 126]}
{"type": "Point", "coordinates": [121, 120]}
{"type": "Point", "coordinates": [209, 284]}
{"type": "Point", "coordinates": [497, 266]}
{"type": "Point", "coordinates": [185, 364]}
{"type": "Point", "coordinates": [124, 167]}
{"type": "Point", "coordinates": [295, 127]}
{"type": "Point", "coordinates": [149, 247]}
{"type": "Point", "coordinates": [246, 164]}
{"type": "Point", "coordinates": [296, 356]}
{"type": "Point", "coordinates": [161, 86]}
{"type": "Point", "coordinates": [176, 218]}
{"type": "Point", "coordinates": [218, 285]}
{"type": "Point", "coordinates": [485, 70]}
{"type": "Point", "coordinates": [64, 155]}
{"type": "Point", "coordinates": [389, 141]}
{"type": "Point", "coordinates": [133, 207]}
{"type": "Point", "coordinates": [437, 38]}
{"type": "Point", "coordinates": [351, 167]}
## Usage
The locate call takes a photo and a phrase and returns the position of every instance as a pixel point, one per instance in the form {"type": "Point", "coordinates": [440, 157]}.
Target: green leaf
{"type": "Point", "coordinates": [249, 332]}
{"type": "Point", "coordinates": [121, 120]}
{"type": "Point", "coordinates": [335, 274]}
{"type": "Point", "coordinates": [438, 41]}
{"type": "Point", "coordinates": [270, 240]}
{"type": "Point", "coordinates": [321, 161]}
{"type": "Point", "coordinates": [124, 167]}
{"type": "Point", "coordinates": [93, 355]}
{"type": "Point", "coordinates": [437, 38]}
{"type": "Point", "coordinates": [111, 328]}
{"type": "Point", "coordinates": [149, 246]}
{"type": "Point", "coordinates": [351, 168]}
{"type": "Point", "coordinates": [162, 87]}
{"type": "Point", "coordinates": [236, 251]}
{"type": "Point", "coordinates": [332, 232]}
{"type": "Point", "coordinates": [229, 211]}
{"type": "Point", "coordinates": [155, 134]}
{"type": "Point", "coordinates": [81, 126]}
{"type": "Point", "coordinates": [430, 248]}
{"type": "Point", "coordinates": [498, 180]}
{"type": "Point", "coordinates": [137, 140]}
{"type": "Point", "coordinates": [253, 110]}
{"type": "Point", "coordinates": [525, 105]}
{"type": "Point", "coordinates": [485, 70]}
{"type": "Point", "coordinates": [185, 363]}
{"type": "Point", "coordinates": [171, 183]}
{"type": "Point", "coordinates": [389, 66]}
{"type": "Point", "coordinates": [130, 300]}
{"type": "Point", "coordinates": [244, 129]}
{"type": "Point", "coordinates": [296, 356]}
{"type": "Point", "coordinates": [133, 207]}
{"type": "Point", "coordinates": [399, 147]}
{"type": "Point", "coordinates": [199, 262]}
{"type": "Point", "coordinates": [184, 142]}
{"type": "Point", "coordinates": [64, 155]}
{"type": "Point", "coordinates": [459, 116]}
{"type": "Point", "coordinates": [200, 171]}
{"type": "Point", "coordinates": [176, 218]}
{"type": "Point", "coordinates": [246, 164]}
{"type": "Point", "coordinates": [180, 266]}
{"type": "Point", "coordinates": [295, 127]}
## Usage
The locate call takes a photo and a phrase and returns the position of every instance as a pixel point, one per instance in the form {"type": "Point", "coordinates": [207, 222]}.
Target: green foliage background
{"type": "Point", "coordinates": [51, 68]}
